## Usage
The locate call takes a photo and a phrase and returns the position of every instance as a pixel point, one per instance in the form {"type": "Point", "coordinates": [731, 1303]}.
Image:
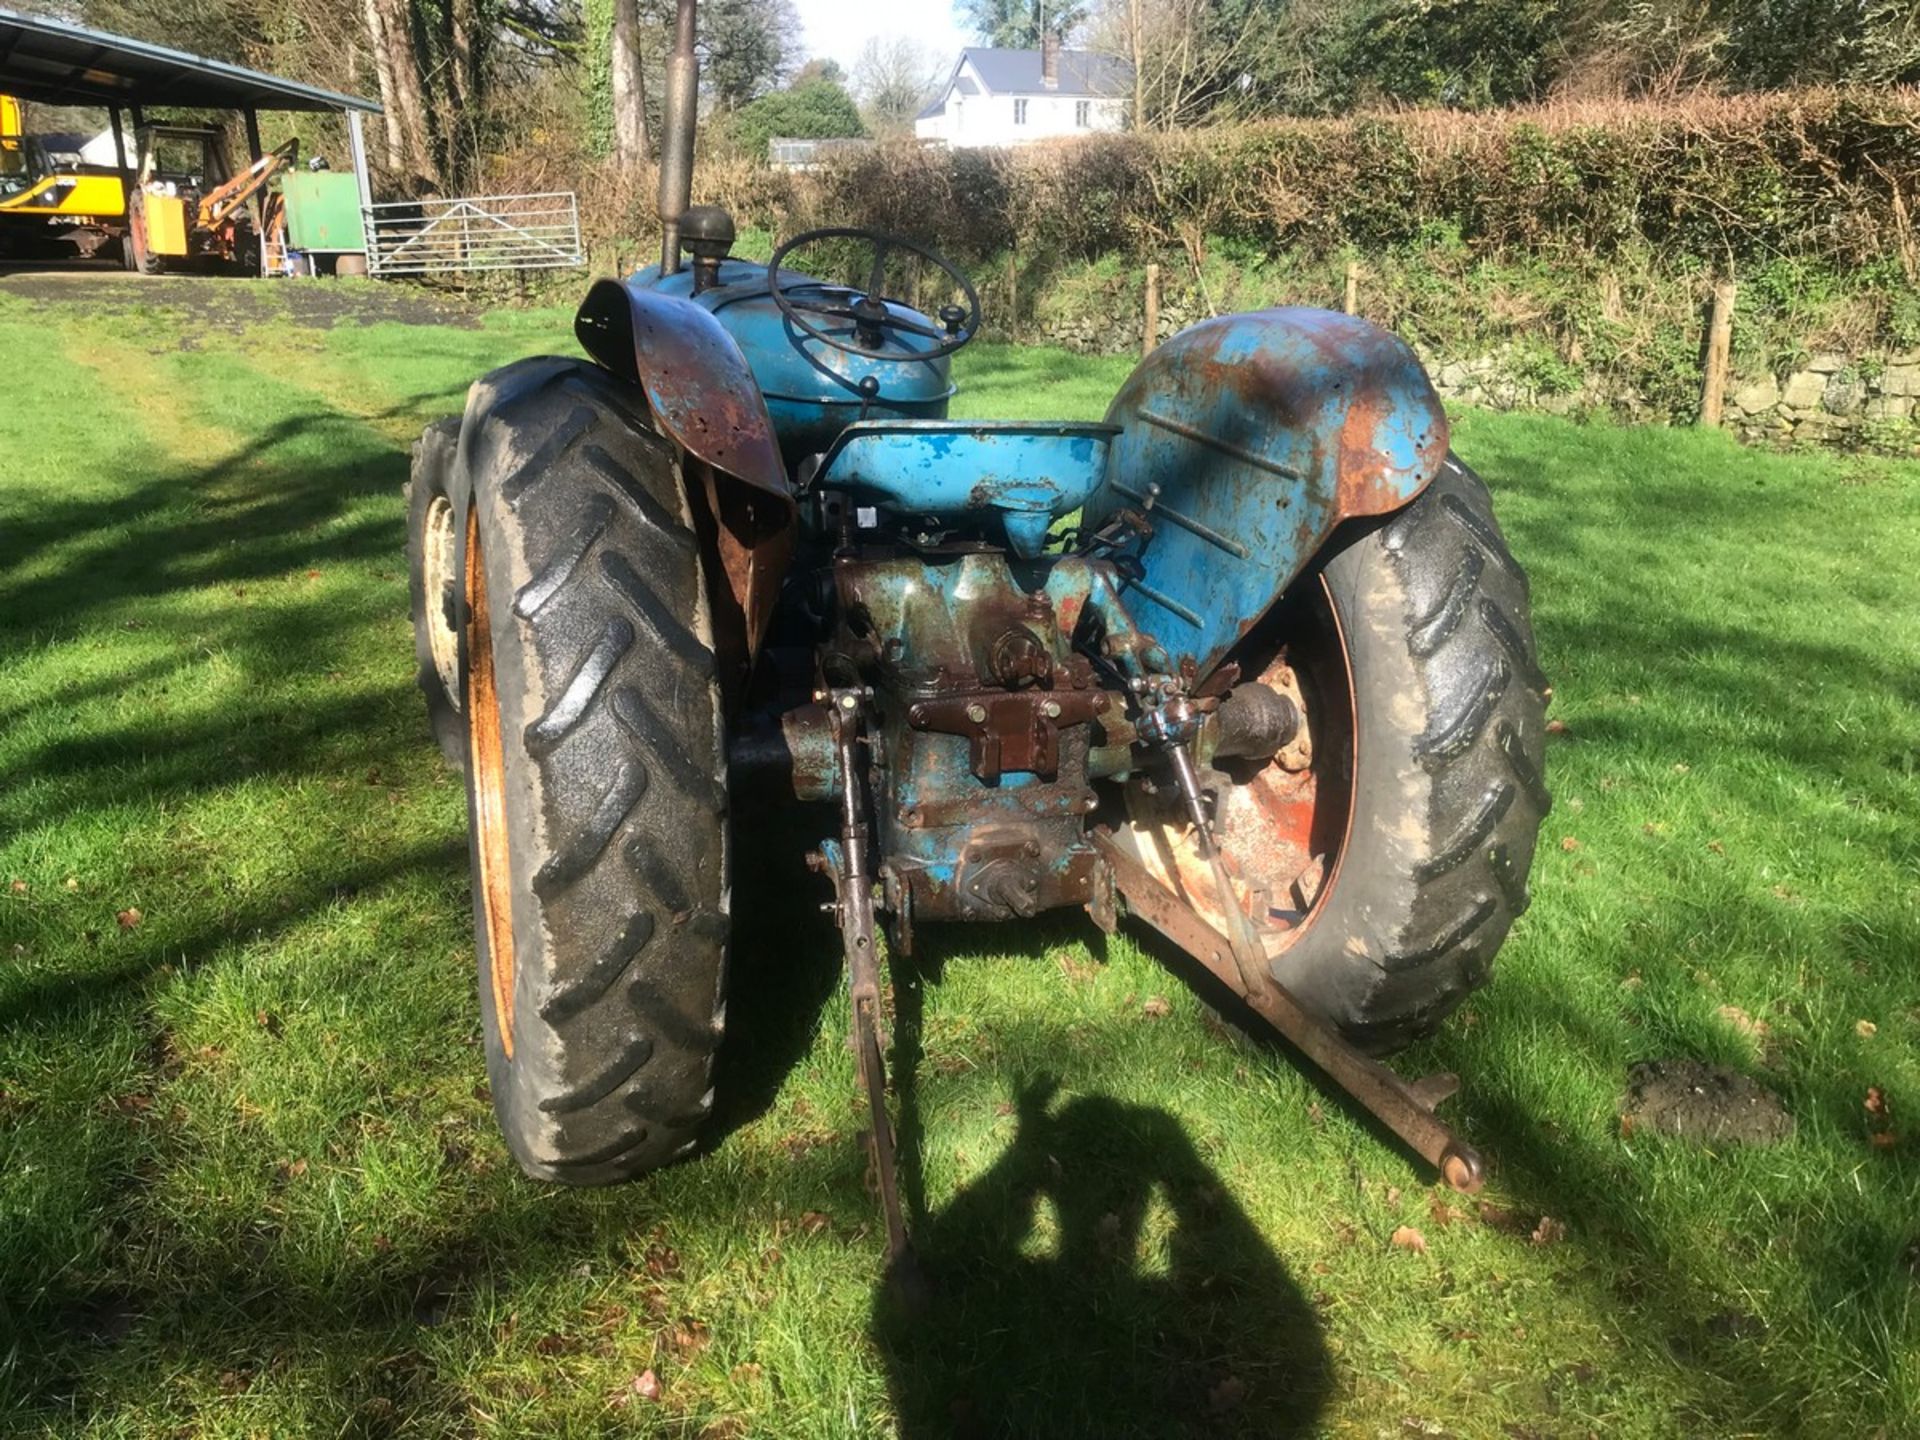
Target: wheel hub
{"type": "Point", "coordinates": [438, 573]}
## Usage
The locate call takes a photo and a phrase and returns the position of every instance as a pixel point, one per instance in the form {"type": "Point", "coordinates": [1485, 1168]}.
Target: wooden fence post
{"type": "Point", "coordinates": [1353, 287]}
{"type": "Point", "coordinates": [1713, 384]}
{"type": "Point", "coordinates": [1013, 297]}
{"type": "Point", "coordinates": [1150, 330]}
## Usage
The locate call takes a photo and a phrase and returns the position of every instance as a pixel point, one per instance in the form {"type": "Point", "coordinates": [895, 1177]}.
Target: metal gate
{"type": "Point", "coordinates": [475, 232]}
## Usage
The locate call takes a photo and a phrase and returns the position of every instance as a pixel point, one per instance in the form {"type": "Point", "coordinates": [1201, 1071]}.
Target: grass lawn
{"type": "Point", "coordinates": [249, 1182]}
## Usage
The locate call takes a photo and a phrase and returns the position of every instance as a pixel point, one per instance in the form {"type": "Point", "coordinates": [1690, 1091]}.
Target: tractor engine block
{"type": "Point", "coordinates": [987, 718]}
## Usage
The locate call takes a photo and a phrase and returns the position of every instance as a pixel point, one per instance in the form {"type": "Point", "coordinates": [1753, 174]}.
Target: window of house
{"type": "Point", "coordinates": [1083, 113]}
{"type": "Point", "coordinates": [1019, 112]}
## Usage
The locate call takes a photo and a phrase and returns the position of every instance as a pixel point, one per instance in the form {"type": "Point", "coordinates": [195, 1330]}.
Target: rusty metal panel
{"type": "Point", "coordinates": [699, 384]}
{"type": "Point", "coordinates": [1032, 473]}
{"type": "Point", "coordinates": [1248, 439]}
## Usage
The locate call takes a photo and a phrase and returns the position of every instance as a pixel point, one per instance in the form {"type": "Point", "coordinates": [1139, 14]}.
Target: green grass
{"type": "Point", "coordinates": [248, 1177]}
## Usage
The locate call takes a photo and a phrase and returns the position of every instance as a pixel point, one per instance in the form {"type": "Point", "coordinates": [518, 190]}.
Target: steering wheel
{"type": "Point", "coordinates": [868, 311]}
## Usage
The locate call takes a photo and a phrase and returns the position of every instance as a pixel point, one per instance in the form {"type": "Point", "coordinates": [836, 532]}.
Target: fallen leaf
{"type": "Point", "coordinates": [1883, 1139]}
{"type": "Point", "coordinates": [1716, 847]}
{"type": "Point", "coordinates": [1073, 967]}
{"type": "Point", "coordinates": [1156, 1007]}
{"type": "Point", "coordinates": [1743, 1022]}
{"type": "Point", "coordinates": [1500, 1218]}
{"type": "Point", "coordinates": [1569, 844]}
{"type": "Point", "coordinates": [72, 882]}
{"type": "Point", "coordinates": [128, 918]}
{"type": "Point", "coordinates": [1227, 1395]}
{"type": "Point", "coordinates": [662, 1260]}
{"type": "Point", "coordinates": [1315, 1116]}
{"type": "Point", "coordinates": [1558, 727]}
{"type": "Point", "coordinates": [1626, 1126]}
{"type": "Point", "coordinates": [1408, 1238]}
{"type": "Point", "coordinates": [267, 1021]}
{"type": "Point", "coordinates": [1440, 1211]}
{"type": "Point", "coordinates": [1876, 1102]}
{"type": "Point", "coordinates": [382, 1245]}
{"type": "Point", "coordinates": [1393, 1194]}
{"type": "Point", "coordinates": [690, 1337]}
{"type": "Point", "coordinates": [19, 887]}
{"type": "Point", "coordinates": [745, 1371]}
{"type": "Point", "coordinates": [1865, 1029]}
{"type": "Point", "coordinates": [813, 1222]}
{"type": "Point", "coordinates": [1548, 1232]}
{"type": "Point", "coordinates": [647, 1385]}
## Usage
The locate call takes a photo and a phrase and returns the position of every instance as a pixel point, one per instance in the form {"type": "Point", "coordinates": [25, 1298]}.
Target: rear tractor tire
{"type": "Point", "coordinates": [596, 780]}
{"type": "Point", "coordinates": [1383, 857]}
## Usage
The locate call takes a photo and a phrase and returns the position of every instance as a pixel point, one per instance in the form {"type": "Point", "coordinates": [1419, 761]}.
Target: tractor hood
{"type": "Point", "coordinates": [811, 389]}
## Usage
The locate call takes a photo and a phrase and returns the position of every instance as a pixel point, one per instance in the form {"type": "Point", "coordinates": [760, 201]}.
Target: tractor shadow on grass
{"type": "Point", "coordinates": [1099, 1280]}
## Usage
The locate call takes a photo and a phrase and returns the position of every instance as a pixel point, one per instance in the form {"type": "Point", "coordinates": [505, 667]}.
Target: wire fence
{"type": "Point", "coordinates": [475, 232]}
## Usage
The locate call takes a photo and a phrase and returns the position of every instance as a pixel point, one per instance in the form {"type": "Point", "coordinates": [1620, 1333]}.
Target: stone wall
{"type": "Point", "coordinates": [1832, 398]}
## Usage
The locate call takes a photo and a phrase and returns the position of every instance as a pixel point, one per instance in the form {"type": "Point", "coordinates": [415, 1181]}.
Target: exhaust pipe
{"type": "Point", "coordinates": [676, 145]}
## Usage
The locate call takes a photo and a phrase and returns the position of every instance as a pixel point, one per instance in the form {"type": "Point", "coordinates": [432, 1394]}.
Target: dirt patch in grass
{"type": "Point", "coordinates": [1708, 1103]}
{"type": "Point", "coordinates": [235, 304]}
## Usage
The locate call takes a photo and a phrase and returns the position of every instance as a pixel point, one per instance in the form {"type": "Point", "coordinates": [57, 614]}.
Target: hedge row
{"type": "Point", "coordinates": [1832, 175]}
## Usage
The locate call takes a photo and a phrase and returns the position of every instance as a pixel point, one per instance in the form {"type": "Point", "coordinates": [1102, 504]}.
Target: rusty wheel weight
{"type": "Point", "coordinates": [488, 771]}
{"type": "Point", "coordinates": [1282, 822]}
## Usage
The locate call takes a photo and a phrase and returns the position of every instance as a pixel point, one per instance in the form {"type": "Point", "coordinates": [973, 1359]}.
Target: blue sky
{"type": "Point", "coordinates": [837, 29]}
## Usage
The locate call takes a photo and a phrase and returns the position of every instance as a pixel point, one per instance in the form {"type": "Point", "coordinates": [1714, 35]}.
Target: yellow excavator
{"type": "Point", "coordinates": [184, 205]}
{"type": "Point", "coordinates": [46, 204]}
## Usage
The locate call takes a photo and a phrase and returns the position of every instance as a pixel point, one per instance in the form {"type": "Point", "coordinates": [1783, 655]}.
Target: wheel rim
{"type": "Point", "coordinates": [437, 574]}
{"type": "Point", "coordinates": [487, 768]}
{"type": "Point", "coordinates": [1283, 824]}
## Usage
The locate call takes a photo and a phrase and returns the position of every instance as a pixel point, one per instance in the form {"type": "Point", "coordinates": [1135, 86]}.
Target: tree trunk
{"type": "Point", "coordinates": [629, 89]}
{"type": "Point", "coordinates": [404, 61]}
{"type": "Point", "coordinates": [1136, 34]}
{"type": "Point", "coordinates": [395, 155]}
{"type": "Point", "coordinates": [460, 42]}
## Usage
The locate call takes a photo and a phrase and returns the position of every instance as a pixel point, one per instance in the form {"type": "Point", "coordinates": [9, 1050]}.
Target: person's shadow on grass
{"type": "Point", "coordinates": [1098, 1280]}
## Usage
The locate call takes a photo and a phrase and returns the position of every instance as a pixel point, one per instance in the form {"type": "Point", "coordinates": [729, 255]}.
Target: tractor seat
{"type": "Point", "coordinates": [1031, 472]}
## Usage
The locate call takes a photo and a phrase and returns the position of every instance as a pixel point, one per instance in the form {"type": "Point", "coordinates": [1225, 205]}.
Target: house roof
{"type": "Point", "coordinates": [60, 64]}
{"type": "Point", "coordinates": [1017, 72]}
{"type": "Point", "coordinates": [938, 105]}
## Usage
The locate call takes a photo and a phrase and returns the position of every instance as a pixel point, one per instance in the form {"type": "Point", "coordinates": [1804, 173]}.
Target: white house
{"type": "Point", "coordinates": [1009, 97]}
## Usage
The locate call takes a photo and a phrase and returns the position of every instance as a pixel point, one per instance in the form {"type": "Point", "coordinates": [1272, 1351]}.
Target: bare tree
{"type": "Point", "coordinates": [395, 150]}
{"type": "Point", "coordinates": [629, 89]}
{"type": "Point", "coordinates": [1187, 58]}
{"type": "Point", "coordinates": [893, 79]}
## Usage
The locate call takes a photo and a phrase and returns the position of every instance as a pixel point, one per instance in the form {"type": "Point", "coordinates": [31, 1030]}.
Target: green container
{"type": "Point", "coordinates": [323, 211]}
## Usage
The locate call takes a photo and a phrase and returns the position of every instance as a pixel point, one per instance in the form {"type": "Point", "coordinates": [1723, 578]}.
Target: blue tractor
{"type": "Point", "coordinates": [1249, 661]}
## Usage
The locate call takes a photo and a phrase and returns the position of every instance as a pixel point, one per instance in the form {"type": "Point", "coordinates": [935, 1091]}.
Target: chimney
{"type": "Point", "coordinates": [1050, 59]}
